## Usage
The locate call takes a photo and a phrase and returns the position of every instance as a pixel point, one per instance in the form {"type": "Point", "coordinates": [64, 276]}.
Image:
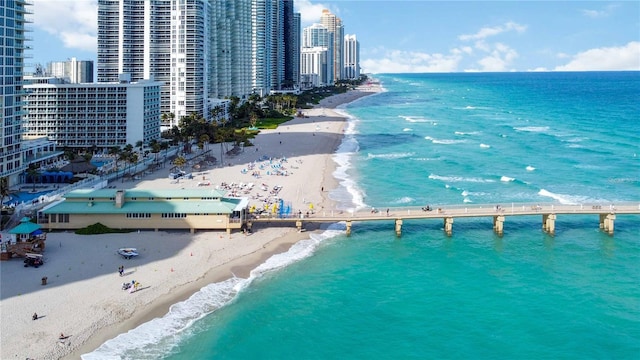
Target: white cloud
{"type": "Point", "coordinates": [309, 13]}
{"type": "Point", "coordinates": [608, 10]}
{"type": "Point", "coordinates": [397, 61]}
{"type": "Point", "coordinates": [618, 58]}
{"type": "Point", "coordinates": [75, 22]}
{"type": "Point", "coordinates": [493, 31]}
{"type": "Point", "coordinates": [498, 59]}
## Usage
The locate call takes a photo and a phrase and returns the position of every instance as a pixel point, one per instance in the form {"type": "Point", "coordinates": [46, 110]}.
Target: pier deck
{"type": "Point", "coordinates": [548, 212]}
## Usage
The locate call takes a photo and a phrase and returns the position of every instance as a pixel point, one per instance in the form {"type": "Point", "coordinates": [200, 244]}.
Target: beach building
{"type": "Point", "coordinates": [137, 209]}
{"type": "Point", "coordinates": [14, 15]}
{"type": "Point", "coordinates": [292, 32]}
{"type": "Point", "coordinates": [316, 63]}
{"type": "Point", "coordinates": [93, 115]}
{"type": "Point", "coordinates": [163, 40]}
{"type": "Point", "coordinates": [73, 70]}
{"type": "Point", "coordinates": [267, 45]}
{"type": "Point", "coordinates": [351, 57]}
{"type": "Point", "coordinates": [229, 49]}
{"type": "Point", "coordinates": [316, 67]}
{"type": "Point", "coordinates": [336, 30]}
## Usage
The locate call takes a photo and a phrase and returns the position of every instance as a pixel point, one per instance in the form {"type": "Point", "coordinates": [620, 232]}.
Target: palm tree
{"type": "Point", "coordinates": [33, 173]}
{"type": "Point", "coordinates": [164, 146]}
{"type": "Point", "coordinates": [179, 162]}
{"type": "Point", "coordinates": [133, 158]}
{"type": "Point", "coordinates": [4, 189]}
{"type": "Point", "coordinates": [115, 152]}
{"type": "Point", "coordinates": [206, 139]}
{"type": "Point", "coordinates": [155, 149]}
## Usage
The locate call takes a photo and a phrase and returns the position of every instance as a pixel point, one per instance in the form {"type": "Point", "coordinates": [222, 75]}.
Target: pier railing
{"type": "Point", "coordinates": [498, 213]}
{"type": "Point", "coordinates": [476, 210]}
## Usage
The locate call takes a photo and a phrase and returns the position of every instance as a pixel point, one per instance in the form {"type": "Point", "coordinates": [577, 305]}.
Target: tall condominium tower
{"type": "Point", "coordinates": [351, 57]}
{"type": "Point", "coordinates": [316, 64]}
{"type": "Point", "coordinates": [291, 47]}
{"type": "Point", "coordinates": [160, 40]}
{"type": "Point", "coordinates": [316, 35]}
{"type": "Point", "coordinates": [334, 26]}
{"type": "Point", "coordinates": [73, 70]}
{"type": "Point", "coordinates": [267, 19]}
{"type": "Point", "coordinates": [229, 53]}
{"type": "Point", "coordinates": [12, 55]}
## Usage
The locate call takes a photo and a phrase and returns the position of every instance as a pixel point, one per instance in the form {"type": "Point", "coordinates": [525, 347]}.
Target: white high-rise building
{"type": "Point", "coordinates": [267, 48]}
{"type": "Point", "coordinates": [316, 67]}
{"type": "Point", "coordinates": [13, 18]}
{"type": "Point", "coordinates": [351, 57]}
{"type": "Point", "coordinates": [75, 71]}
{"type": "Point", "coordinates": [161, 40]}
{"type": "Point", "coordinates": [316, 63]}
{"type": "Point", "coordinates": [316, 35]}
{"type": "Point", "coordinates": [92, 115]}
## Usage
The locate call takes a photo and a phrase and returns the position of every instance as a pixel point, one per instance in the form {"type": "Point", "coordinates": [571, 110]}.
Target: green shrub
{"type": "Point", "coordinates": [99, 228]}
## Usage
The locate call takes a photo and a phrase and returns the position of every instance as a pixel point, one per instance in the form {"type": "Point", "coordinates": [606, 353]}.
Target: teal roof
{"type": "Point", "coordinates": [25, 227]}
{"type": "Point", "coordinates": [200, 201]}
{"type": "Point", "coordinates": [150, 207]}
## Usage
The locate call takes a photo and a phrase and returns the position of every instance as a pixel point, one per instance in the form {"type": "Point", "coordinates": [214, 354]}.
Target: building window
{"type": "Point", "coordinates": [138, 215]}
{"type": "Point", "coordinates": [172, 215]}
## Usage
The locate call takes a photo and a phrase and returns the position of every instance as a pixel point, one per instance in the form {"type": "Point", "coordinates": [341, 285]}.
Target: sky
{"type": "Point", "coordinates": [405, 36]}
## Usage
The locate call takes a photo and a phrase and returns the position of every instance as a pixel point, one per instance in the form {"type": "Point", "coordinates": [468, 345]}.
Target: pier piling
{"type": "Point", "coordinates": [398, 227]}
{"type": "Point", "coordinates": [498, 224]}
{"type": "Point", "coordinates": [549, 223]}
{"type": "Point", "coordinates": [607, 222]}
{"type": "Point", "coordinates": [448, 226]}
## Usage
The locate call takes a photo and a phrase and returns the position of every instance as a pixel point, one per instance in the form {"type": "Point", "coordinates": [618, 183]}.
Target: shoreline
{"type": "Point", "coordinates": [92, 320]}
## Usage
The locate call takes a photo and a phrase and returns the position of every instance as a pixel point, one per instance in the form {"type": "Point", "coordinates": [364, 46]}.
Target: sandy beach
{"type": "Point", "coordinates": [83, 298]}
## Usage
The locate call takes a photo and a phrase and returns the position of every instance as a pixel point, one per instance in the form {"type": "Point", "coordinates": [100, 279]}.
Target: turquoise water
{"type": "Point", "coordinates": [447, 139]}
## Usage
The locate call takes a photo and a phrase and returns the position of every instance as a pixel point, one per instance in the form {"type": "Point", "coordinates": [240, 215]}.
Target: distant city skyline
{"type": "Point", "coordinates": [422, 36]}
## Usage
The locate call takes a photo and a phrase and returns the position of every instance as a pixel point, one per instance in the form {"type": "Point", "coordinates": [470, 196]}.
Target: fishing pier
{"type": "Point", "coordinates": [606, 215]}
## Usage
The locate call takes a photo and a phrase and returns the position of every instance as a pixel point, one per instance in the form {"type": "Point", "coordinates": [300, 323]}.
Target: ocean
{"type": "Point", "coordinates": [447, 139]}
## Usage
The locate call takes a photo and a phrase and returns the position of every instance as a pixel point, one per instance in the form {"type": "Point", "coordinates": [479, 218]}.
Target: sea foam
{"type": "Point", "coordinates": [157, 338]}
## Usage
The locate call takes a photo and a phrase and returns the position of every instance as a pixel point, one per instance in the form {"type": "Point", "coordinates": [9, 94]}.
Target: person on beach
{"type": "Point", "coordinates": [35, 316]}
{"type": "Point", "coordinates": [121, 270]}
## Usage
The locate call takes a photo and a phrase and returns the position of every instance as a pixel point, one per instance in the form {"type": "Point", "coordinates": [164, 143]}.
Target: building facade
{"type": "Point", "coordinates": [157, 40]}
{"type": "Point", "coordinates": [315, 67]}
{"type": "Point", "coordinates": [316, 62]}
{"type": "Point", "coordinates": [95, 116]}
{"type": "Point", "coordinates": [14, 16]}
{"type": "Point", "coordinates": [192, 209]}
{"type": "Point", "coordinates": [73, 70]}
{"type": "Point", "coordinates": [229, 53]}
{"type": "Point", "coordinates": [291, 47]}
{"type": "Point", "coordinates": [267, 45]}
{"type": "Point", "coordinates": [351, 57]}
{"type": "Point", "coordinates": [335, 28]}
